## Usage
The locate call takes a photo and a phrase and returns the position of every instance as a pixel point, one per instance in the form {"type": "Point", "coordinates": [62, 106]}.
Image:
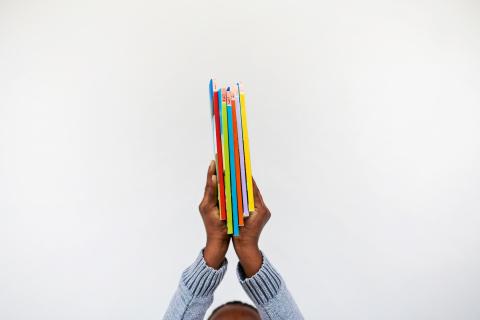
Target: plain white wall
{"type": "Point", "coordinates": [364, 123]}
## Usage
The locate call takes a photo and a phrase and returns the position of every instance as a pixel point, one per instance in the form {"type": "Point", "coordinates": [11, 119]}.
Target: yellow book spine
{"type": "Point", "coordinates": [246, 149]}
{"type": "Point", "coordinates": [226, 165]}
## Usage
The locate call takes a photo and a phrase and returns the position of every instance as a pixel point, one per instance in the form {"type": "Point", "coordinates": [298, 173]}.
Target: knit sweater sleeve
{"type": "Point", "coordinates": [269, 293]}
{"type": "Point", "coordinates": [194, 293]}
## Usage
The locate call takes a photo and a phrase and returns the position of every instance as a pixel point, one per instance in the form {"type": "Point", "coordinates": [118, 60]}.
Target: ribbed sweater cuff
{"type": "Point", "coordinates": [264, 285]}
{"type": "Point", "coordinates": [202, 280]}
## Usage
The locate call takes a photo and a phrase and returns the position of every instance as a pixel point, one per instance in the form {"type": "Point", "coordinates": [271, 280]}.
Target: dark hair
{"type": "Point", "coordinates": [236, 302]}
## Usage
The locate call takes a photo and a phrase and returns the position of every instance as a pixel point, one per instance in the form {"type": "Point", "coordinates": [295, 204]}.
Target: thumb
{"type": "Point", "coordinates": [211, 184]}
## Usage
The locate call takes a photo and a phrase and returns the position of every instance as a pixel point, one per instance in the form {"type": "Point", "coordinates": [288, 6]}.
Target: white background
{"type": "Point", "coordinates": [364, 124]}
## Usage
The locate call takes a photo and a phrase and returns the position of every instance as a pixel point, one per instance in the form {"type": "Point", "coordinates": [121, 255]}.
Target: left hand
{"type": "Point", "coordinates": [216, 230]}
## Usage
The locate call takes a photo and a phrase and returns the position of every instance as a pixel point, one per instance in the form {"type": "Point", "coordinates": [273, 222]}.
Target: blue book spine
{"type": "Point", "coordinates": [220, 111]}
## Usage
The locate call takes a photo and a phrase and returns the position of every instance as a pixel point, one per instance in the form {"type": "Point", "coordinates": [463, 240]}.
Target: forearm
{"type": "Point", "coordinates": [268, 291]}
{"type": "Point", "coordinates": [194, 294]}
{"type": "Point", "coordinates": [250, 258]}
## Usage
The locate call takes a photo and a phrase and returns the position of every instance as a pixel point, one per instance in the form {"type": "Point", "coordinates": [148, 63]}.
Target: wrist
{"type": "Point", "coordinates": [250, 258]}
{"type": "Point", "coordinates": [244, 245]}
{"type": "Point", "coordinates": [246, 249]}
{"type": "Point", "coordinates": [214, 253]}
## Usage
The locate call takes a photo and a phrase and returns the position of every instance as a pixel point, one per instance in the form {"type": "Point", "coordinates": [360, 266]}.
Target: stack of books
{"type": "Point", "coordinates": [232, 155]}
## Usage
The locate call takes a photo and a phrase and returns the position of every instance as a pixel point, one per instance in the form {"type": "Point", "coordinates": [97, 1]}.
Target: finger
{"type": "Point", "coordinates": [210, 192]}
{"type": "Point", "coordinates": [211, 171]}
{"type": "Point", "coordinates": [257, 196]}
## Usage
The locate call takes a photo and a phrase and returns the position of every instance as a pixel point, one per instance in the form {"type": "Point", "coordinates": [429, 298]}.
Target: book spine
{"type": "Point", "coordinates": [219, 159]}
{"type": "Point", "coordinates": [226, 162]}
{"type": "Point", "coordinates": [237, 163]}
{"type": "Point", "coordinates": [243, 176]}
{"type": "Point", "coordinates": [233, 184]}
{"type": "Point", "coordinates": [246, 146]}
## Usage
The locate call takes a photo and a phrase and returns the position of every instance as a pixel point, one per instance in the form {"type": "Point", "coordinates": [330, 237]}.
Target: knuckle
{"type": "Point", "coordinates": [268, 214]}
{"type": "Point", "coordinates": [263, 210]}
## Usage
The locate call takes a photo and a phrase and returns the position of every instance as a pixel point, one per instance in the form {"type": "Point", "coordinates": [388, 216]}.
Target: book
{"type": "Point", "coordinates": [246, 148]}
{"type": "Point", "coordinates": [243, 176]}
{"type": "Point", "coordinates": [226, 161]}
{"type": "Point", "coordinates": [233, 176]}
{"type": "Point", "coordinates": [232, 155]}
{"type": "Point", "coordinates": [236, 154]}
{"type": "Point", "coordinates": [218, 153]}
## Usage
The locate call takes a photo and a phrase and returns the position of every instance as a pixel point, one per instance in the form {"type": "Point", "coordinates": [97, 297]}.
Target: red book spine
{"type": "Point", "coordinates": [220, 177]}
{"type": "Point", "coordinates": [237, 165]}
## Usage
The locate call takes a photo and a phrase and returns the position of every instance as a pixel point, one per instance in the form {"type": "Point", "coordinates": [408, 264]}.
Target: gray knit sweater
{"type": "Point", "coordinates": [266, 288]}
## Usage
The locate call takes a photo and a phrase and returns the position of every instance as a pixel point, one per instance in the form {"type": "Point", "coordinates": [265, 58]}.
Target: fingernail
{"type": "Point", "coordinates": [212, 164]}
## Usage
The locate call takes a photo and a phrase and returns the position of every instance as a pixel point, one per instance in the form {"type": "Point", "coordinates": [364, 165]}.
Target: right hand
{"type": "Point", "coordinates": [246, 244]}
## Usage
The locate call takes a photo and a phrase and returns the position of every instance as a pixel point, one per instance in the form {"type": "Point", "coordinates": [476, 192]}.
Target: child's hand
{"type": "Point", "coordinates": [217, 237]}
{"type": "Point", "coordinates": [246, 245]}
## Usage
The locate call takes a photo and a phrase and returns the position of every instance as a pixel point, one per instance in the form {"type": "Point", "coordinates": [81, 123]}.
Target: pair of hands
{"type": "Point", "coordinates": [245, 245]}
